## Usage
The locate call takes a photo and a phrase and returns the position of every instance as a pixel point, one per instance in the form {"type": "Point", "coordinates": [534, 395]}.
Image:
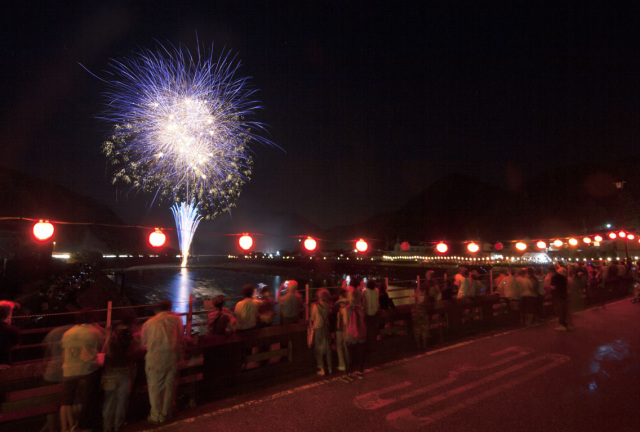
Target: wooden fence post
{"type": "Point", "coordinates": [306, 294]}
{"type": "Point", "coordinates": [109, 310]}
{"type": "Point", "coordinates": [491, 281]}
{"type": "Point", "coordinates": [190, 315]}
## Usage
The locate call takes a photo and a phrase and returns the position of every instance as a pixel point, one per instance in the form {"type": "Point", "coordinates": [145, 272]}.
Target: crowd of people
{"type": "Point", "coordinates": [524, 290]}
{"type": "Point", "coordinates": [89, 359]}
{"type": "Point", "coordinates": [351, 315]}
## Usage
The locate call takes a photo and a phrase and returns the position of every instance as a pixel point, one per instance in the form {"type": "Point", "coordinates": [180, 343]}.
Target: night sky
{"type": "Point", "coordinates": [370, 101]}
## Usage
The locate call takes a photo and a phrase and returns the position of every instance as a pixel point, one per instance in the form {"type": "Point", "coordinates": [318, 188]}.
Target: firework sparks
{"type": "Point", "coordinates": [182, 125]}
{"type": "Point", "coordinates": [187, 220]}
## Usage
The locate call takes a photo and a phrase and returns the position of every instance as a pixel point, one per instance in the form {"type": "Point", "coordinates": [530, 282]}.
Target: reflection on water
{"type": "Point", "coordinates": [176, 284]}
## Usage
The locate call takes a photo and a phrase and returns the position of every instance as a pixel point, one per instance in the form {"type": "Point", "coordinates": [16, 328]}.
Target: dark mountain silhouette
{"type": "Point", "coordinates": [570, 200]}
{"type": "Point", "coordinates": [89, 225]}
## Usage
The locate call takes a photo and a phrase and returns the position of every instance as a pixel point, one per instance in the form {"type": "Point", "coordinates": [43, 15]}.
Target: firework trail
{"type": "Point", "coordinates": [182, 125]}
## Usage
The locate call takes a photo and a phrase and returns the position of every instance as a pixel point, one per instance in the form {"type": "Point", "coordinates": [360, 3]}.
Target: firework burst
{"type": "Point", "coordinates": [182, 125]}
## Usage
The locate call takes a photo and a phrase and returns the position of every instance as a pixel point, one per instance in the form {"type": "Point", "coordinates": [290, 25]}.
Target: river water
{"type": "Point", "coordinates": [151, 285]}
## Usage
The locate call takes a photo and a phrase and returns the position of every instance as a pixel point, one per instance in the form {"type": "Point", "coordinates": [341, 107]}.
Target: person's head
{"type": "Point", "coordinates": [354, 282]}
{"type": "Point", "coordinates": [265, 291]}
{"type": "Point", "coordinates": [323, 295]}
{"type": "Point", "coordinates": [218, 302]}
{"type": "Point", "coordinates": [428, 274]}
{"type": "Point", "coordinates": [464, 272]}
{"type": "Point", "coordinates": [371, 284]}
{"type": "Point", "coordinates": [248, 290]}
{"type": "Point", "coordinates": [163, 306]}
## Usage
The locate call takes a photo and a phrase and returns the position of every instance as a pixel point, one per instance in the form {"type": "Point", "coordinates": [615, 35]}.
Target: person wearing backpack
{"type": "Point", "coordinates": [355, 329]}
{"type": "Point", "coordinates": [319, 322]}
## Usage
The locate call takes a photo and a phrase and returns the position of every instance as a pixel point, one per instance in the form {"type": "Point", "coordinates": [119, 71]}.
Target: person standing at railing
{"type": "Point", "coordinates": [352, 316]}
{"type": "Point", "coordinates": [290, 304]}
{"type": "Point", "coordinates": [341, 343]}
{"type": "Point", "coordinates": [220, 320]}
{"type": "Point", "coordinates": [371, 297]}
{"type": "Point", "coordinates": [266, 307]}
{"type": "Point", "coordinates": [558, 285]}
{"type": "Point", "coordinates": [529, 287]}
{"type": "Point", "coordinates": [162, 336]}
{"type": "Point", "coordinates": [420, 313]}
{"type": "Point", "coordinates": [319, 322]}
{"type": "Point", "coordinates": [246, 310]}
{"type": "Point", "coordinates": [122, 353]}
{"type": "Point", "coordinates": [81, 373]}
{"type": "Point", "coordinates": [53, 356]}
{"type": "Point", "coordinates": [464, 285]}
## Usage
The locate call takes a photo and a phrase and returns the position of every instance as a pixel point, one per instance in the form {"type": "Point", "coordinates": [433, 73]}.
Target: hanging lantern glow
{"type": "Point", "coordinates": [541, 245]}
{"type": "Point", "coordinates": [622, 234]}
{"type": "Point", "coordinates": [612, 235]}
{"type": "Point", "coordinates": [558, 243]}
{"type": "Point", "coordinates": [245, 242]}
{"type": "Point", "coordinates": [442, 247]}
{"type": "Point", "coordinates": [521, 246]}
{"type": "Point", "coordinates": [362, 245]}
{"type": "Point", "coordinates": [630, 236]}
{"type": "Point", "coordinates": [43, 230]}
{"type": "Point", "coordinates": [573, 242]}
{"type": "Point", "coordinates": [405, 246]}
{"type": "Point", "coordinates": [473, 247]}
{"type": "Point", "coordinates": [157, 239]}
{"type": "Point", "coordinates": [310, 244]}
{"type": "Point", "coordinates": [586, 240]}
{"type": "Point", "coordinates": [597, 238]}
{"type": "Point", "coordinates": [498, 246]}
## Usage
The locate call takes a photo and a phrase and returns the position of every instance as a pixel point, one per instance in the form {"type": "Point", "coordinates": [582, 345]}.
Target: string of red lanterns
{"type": "Point", "coordinates": [44, 230]}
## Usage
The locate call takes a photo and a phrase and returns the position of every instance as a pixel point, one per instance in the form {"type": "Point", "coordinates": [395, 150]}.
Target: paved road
{"type": "Point", "coordinates": [530, 379]}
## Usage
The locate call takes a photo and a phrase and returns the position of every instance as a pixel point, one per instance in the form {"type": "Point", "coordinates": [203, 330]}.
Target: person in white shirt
{"type": "Point", "coordinates": [246, 310]}
{"type": "Point", "coordinates": [162, 337]}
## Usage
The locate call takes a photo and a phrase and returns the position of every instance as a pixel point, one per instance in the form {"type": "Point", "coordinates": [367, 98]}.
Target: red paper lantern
{"type": "Point", "coordinates": [442, 247]}
{"type": "Point", "coordinates": [43, 230]}
{"type": "Point", "coordinates": [541, 245]}
{"type": "Point", "coordinates": [245, 242]}
{"type": "Point", "coordinates": [573, 242]}
{"type": "Point", "coordinates": [473, 247]}
{"type": "Point", "coordinates": [310, 244]}
{"type": "Point", "coordinates": [598, 238]}
{"type": "Point", "coordinates": [405, 246]}
{"type": "Point", "coordinates": [362, 245]}
{"type": "Point", "coordinates": [157, 239]}
{"type": "Point", "coordinates": [498, 246]}
{"type": "Point", "coordinates": [558, 243]}
{"type": "Point", "coordinates": [521, 246]}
